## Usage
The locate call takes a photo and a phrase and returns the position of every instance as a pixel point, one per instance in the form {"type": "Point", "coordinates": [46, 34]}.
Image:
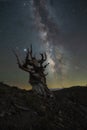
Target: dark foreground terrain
{"type": "Point", "coordinates": [24, 110]}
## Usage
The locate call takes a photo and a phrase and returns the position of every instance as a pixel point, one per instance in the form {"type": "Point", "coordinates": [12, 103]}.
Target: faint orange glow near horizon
{"type": "Point", "coordinates": [66, 85]}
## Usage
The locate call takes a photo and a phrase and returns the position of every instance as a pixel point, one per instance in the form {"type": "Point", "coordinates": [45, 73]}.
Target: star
{"type": "Point", "coordinates": [24, 4]}
{"type": "Point", "coordinates": [25, 49]}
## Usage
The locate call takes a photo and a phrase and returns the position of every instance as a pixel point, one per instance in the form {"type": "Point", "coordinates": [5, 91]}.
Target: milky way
{"type": "Point", "coordinates": [58, 27]}
{"type": "Point", "coordinates": [49, 33]}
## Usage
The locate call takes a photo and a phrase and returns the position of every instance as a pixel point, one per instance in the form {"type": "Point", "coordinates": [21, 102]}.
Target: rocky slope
{"type": "Point", "coordinates": [24, 110]}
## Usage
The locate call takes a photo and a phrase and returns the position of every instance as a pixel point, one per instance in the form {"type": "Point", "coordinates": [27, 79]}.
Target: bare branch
{"type": "Point", "coordinates": [30, 52]}
{"type": "Point", "coordinates": [45, 65]}
{"type": "Point", "coordinates": [26, 58]}
{"type": "Point", "coordinates": [19, 63]}
{"type": "Point", "coordinates": [24, 68]}
{"type": "Point", "coordinates": [45, 56]}
{"type": "Point", "coordinates": [18, 60]}
{"type": "Point", "coordinates": [42, 56]}
{"type": "Point", "coordinates": [27, 54]}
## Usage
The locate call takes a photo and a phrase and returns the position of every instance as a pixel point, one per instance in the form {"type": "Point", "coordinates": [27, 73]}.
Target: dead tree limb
{"type": "Point", "coordinates": [36, 70]}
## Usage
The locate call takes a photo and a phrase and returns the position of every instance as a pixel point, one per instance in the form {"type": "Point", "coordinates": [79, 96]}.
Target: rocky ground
{"type": "Point", "coordinates": [24, 110]}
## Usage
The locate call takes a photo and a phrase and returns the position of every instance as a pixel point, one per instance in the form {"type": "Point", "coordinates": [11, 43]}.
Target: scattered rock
{"type": "Point", "coordinates": [24, 110]}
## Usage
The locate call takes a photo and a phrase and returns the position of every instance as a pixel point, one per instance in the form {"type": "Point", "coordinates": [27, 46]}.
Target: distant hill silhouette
{"type": "Point", "coordinates": [25, 110]}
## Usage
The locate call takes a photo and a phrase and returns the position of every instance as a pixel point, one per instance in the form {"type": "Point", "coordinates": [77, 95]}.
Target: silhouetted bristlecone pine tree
{"type": "Point", "coordinates": [36, 69]}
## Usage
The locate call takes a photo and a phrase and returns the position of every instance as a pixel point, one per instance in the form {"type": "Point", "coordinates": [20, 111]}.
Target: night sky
{"type": "Point", "coordinates": [57, 27]}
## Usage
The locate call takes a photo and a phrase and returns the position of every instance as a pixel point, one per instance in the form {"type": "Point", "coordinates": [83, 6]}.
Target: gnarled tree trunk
{"type": "Point", "coordinates": [36, 70]}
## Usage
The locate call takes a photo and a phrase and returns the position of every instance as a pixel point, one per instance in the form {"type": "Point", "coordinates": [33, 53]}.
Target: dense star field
{"type": "Point", "coordinates": [57, 27]}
